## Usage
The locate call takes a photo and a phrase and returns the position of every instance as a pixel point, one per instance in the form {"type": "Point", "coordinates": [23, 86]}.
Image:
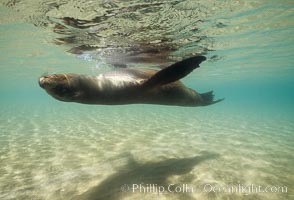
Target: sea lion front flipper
{"type": "Point", "coordinates": [174, 72]}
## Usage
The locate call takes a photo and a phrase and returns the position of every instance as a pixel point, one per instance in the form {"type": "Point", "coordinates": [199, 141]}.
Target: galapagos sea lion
{"type": "Point", "coordinates": [130, 86]}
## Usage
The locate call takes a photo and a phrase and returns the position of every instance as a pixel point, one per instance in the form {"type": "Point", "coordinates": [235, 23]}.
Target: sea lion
{"type": "Point", "coordinates": [130, 86]}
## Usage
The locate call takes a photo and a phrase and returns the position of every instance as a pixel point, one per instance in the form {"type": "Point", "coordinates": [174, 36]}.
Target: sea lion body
{"type": "Point", "coordinates": [125, 86]}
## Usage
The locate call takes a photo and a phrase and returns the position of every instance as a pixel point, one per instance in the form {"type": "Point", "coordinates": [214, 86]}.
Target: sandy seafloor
{"type": "Point", "coordinates": [58, 151]}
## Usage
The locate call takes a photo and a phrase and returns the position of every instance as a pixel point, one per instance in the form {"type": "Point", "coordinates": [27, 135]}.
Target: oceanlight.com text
{"type": "Point", "coordinates": [204, 188]}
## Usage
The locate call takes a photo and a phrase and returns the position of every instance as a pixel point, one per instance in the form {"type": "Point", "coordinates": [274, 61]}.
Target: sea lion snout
{"type": "Point", "coordinates": [60, 86]}
{"type": "Point", "coordinates": [46, 81]}
{"type": "Point", "coordinates": [43, 81]}
{"type": "Point", "coordinates": [51, 80]}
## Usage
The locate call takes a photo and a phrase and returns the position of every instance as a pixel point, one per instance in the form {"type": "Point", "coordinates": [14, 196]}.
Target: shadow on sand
{"type": "Point", "coordinates": [146, 173]}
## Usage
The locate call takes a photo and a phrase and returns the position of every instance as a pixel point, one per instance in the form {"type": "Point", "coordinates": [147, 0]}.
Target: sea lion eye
{"type": "Point", "coordinates": [62, 90]}
{"type": "Point", "coordinates": [65, 90]}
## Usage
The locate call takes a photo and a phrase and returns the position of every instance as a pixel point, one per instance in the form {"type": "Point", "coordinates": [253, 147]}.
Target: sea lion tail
{"type": "Point", "coordinates": [208, 97]}
{"type": "Point", "coordinates": [174, 72]}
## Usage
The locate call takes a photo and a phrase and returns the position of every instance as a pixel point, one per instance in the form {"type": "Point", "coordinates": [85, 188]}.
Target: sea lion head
{"type": "Point", "coordinates": [63, 87]}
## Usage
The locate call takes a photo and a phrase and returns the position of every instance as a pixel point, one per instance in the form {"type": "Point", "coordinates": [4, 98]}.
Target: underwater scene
{"type": "Point", "coordinates": [146, 135]}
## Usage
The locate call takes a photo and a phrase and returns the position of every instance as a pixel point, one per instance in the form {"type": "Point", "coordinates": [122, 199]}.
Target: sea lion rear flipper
{"type": "Point", "coordinates": [174, 72]}
{"type": "Point", "coordinates": [208, 97]}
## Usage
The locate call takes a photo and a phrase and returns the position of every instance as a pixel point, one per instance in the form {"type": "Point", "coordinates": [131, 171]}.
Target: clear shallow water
{"type": "Point", "coordinates": [55, 150]}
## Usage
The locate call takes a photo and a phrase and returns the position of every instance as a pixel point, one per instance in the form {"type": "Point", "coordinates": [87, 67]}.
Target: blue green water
{"type": "Point", "coordinates": [56, 150]}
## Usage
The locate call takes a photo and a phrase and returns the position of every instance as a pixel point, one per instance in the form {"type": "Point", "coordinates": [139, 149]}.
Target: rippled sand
{"type": "Point", "coordinates": [70, 151]}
